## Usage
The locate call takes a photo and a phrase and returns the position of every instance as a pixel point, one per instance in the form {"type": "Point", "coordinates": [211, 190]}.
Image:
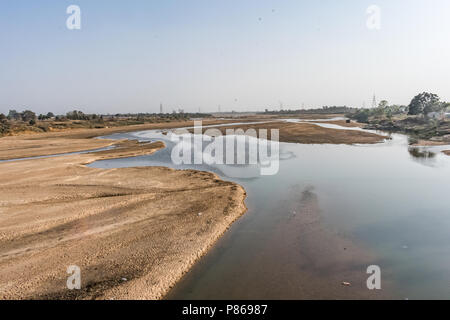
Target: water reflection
{"type": "Point", "coordinates": [416, 152]}
{"type": "Point", "coordinates": [423, 156]}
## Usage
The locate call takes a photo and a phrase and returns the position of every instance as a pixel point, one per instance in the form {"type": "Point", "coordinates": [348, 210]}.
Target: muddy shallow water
{"type": "Point", "coordinates": [329, 213]}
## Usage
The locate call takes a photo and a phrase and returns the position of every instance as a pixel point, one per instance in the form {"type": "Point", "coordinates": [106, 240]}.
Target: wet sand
{"type": "Point", "coordinates": [133, 232]}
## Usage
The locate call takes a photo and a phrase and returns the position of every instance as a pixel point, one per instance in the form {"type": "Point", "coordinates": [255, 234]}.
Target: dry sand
{"type": "Point", "coordinates": [426, 143]}
{"type": "Point", "coordinates": [309, 133]}
{"type": "Point", "coordinates": [133, 231]}
{"type": "Point", "coordinates": [74, 140]}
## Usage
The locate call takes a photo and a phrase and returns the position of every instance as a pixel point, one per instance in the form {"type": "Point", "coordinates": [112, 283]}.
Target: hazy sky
{"type": "Point", "coordinates": [244, 55]}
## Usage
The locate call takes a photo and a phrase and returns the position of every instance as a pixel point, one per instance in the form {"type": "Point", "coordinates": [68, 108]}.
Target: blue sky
{"type": "Point", "coordinates": [242, 55]}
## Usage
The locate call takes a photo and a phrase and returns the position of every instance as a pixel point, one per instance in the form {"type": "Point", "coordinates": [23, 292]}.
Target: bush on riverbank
{"type": "Point", "coordinates": [423, 118]}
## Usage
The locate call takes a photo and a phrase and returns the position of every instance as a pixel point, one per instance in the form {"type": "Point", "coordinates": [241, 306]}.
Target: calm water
{"type": "Point", "coordinates": [390, 200]}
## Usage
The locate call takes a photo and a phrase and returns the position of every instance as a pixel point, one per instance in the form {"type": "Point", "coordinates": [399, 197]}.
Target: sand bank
{"type": "Point", "coordinates": [133, 231]}
{"type": "Point", "coordinates": [74, 140]}
{"type": "Point", "coordinates": [308, 133]}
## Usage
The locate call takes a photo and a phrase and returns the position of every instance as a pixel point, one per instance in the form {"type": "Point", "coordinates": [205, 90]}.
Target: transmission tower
{"type": "Point", "coordinates": [374, 102]}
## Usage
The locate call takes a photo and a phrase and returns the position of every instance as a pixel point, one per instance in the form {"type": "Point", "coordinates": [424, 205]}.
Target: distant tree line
{"type": "Point", "coordinates": [16, 121]}
{"type": "Point", "coordinates": [323, 110]}
{"type": "Point", "coordinates": [422, 104]}
{"type": "Point", "coordinates": [27, 116]}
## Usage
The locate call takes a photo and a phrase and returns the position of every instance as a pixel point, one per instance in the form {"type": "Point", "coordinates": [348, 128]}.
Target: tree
{"type": "Point", "coordinates": [76, 115]}
{"type": "Point", "coordinates": [389, 111]}
{"type": "Point", "coordinates": [4, 124]}
{"type": "Point", "coordinates": [14, 115]}
{"type": "Point", "coordinates": [423, 103]}
{"type": "Point", "coordinates": [446, 106]}
{"type": "Point", "coordinates": [28, 115]}
{"type": "Point", "coordinates": [383, 104]}
{"type": "Point", "coordinates": [50, 115]}
{"type": "Point", "coordinates": [362, 115]}
{"type": "Point", "coordinates": [436, 107]}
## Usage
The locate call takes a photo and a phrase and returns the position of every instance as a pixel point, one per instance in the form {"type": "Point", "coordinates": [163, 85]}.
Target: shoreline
{"type": "Point", "coordinates": [158, 213]}
{"type": "Point", "coordinates": [430, 143]}
{"type": "Point", "coordinates": [419, 130]}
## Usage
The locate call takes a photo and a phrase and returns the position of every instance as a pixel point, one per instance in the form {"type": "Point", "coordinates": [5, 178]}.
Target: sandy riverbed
{"type": "Point", "coordinates": [309, 133]}
{"type": "Point", "coordinates": [133, 232]}
{"type": "Point", "coordinates": [74, 140]}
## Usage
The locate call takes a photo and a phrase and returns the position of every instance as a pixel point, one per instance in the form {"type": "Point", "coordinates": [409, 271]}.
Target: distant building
{"type": "Point", "coordinates": [436, 115]}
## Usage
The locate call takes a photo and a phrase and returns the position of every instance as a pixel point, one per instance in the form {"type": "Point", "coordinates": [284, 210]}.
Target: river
{"type": "Point", "coordinates": [313, 228]}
